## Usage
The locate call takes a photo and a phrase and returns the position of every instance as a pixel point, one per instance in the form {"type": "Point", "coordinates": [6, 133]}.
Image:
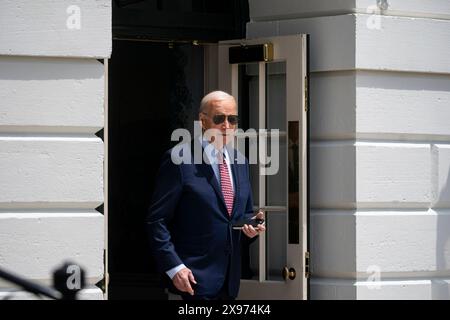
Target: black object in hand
{"type": "Point", "coordinates": [251, 222]}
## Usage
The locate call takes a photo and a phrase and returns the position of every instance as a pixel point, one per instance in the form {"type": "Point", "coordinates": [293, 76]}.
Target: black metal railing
{"type": "Point", "coordinates": [68, 280]}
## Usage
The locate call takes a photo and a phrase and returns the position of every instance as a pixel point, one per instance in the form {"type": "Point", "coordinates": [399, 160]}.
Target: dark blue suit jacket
{"type": "Point", "coordinates": [188, 222]}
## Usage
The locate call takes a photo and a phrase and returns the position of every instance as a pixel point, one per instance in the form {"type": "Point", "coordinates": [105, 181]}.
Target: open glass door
{"type": "Point", "coordinates": [268, 78]}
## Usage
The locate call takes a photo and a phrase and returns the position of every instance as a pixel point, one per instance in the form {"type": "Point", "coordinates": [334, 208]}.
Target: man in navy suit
{"type": "Point", "coordinates": [195, 204]}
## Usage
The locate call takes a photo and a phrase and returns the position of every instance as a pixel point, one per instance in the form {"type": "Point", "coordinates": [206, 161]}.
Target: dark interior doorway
{"type": "Point", "coordinates": [154, 88]}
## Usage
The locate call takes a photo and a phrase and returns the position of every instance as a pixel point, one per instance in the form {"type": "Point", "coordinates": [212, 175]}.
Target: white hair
{"type": "Point", "coordinates": [214, 96]}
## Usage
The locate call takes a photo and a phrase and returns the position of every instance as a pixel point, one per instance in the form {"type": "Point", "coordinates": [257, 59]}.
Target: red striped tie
{"type": "Point", "coordinates": [225, 184]}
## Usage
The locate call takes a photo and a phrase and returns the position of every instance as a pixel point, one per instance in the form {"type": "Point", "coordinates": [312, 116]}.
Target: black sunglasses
{"type": "Point", "coordinates": [220, 118]}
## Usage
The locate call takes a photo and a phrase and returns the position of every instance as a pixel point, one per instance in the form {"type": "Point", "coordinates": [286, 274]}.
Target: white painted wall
{"type": "Point", "coordinates": [51, 163]}
{"type": "Point", "coordinates": [60, 28]}
{"type": "Point", "coordinates": [265, 10]}
{"type": "Point", "coordinates": [380, 151]}
{"type": "Point", "coordinates": [70, 95]}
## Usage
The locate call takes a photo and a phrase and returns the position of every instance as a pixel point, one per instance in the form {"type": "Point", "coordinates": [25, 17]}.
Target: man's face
{"type": "Point", "coordinates": [217, 108]}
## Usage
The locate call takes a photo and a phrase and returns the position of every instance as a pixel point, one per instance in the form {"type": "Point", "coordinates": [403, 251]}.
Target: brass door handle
{"type": "Point", "coordinates": [288, 273]}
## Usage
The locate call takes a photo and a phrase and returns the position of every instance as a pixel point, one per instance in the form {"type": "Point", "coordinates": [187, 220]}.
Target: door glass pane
{"type": "Point", "coordinates": [276, 184]}
{"type": "Point", "coordinates": [293, 182]}
{"type": "Point", "coordinates": [248, 100]}
{"type": "Point", "coordinates": [276, 180]}
{"type": "Point", "coordinates": [276, 95]}
{"type": "Point", "coordinates": [276, 247]}
{"type": "Point", "coordinates": [248, 110]}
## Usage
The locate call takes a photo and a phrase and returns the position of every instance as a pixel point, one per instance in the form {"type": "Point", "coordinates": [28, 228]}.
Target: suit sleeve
{"type": "Point", "coordinates": [168, 189]}
{"type": "Point", "coordinates": [249, 212]}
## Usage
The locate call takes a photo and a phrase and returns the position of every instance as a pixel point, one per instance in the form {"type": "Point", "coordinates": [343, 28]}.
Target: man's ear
{"type": "Point", "coordinates": [202, 120]}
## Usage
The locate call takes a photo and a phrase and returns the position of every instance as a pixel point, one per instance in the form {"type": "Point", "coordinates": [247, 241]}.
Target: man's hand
{"type": "Point", "coordinates": [251, 232]}
{"type": "Point", "coordinates": [182, 280]}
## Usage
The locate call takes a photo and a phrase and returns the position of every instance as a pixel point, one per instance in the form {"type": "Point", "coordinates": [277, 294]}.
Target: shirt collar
{"type": "Point", "coordinates": [207, 145]}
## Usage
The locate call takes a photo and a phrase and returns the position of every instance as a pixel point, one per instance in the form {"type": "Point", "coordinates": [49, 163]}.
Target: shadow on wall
{"type": "Point", "coordinates": [48, 68]}
{"type": "Point", "coordinates": [441, 287]}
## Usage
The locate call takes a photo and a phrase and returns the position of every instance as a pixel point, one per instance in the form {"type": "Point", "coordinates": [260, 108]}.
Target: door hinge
{"type": "Point", "coordinates": [307, 264]}
{"type": "Point", "coordinates": [306, 94]}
